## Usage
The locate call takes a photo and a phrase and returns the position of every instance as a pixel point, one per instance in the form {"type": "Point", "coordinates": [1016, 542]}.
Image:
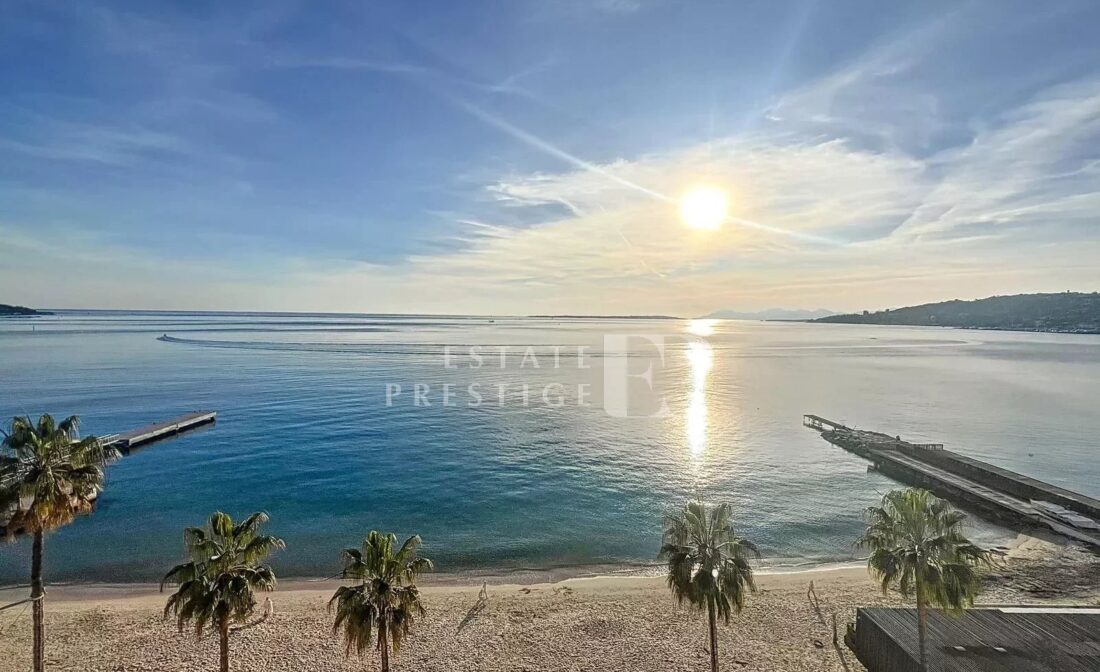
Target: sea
{"type": "Point", "coordinates": [514, 444]}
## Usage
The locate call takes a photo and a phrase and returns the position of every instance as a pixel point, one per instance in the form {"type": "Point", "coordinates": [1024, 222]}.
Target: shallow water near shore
{"type": "Point", "coordinates": [541, 478]}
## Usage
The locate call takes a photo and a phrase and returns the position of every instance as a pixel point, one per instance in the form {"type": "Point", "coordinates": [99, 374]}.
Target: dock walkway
{"type": "Point", "coordinates": [1018, 485]}
{"type": "Point", "coordinates": [992, 491]}
{"type": "Point", "coordinates": [159, 430]}
{"type": "Point", "coordinates": [126, 441]}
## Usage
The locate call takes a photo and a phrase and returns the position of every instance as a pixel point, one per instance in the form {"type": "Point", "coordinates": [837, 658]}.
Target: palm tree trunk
{"type": "Point", "coordinates": [223, 646]}
{"type": "Point", "coordinates": [37, 593]}
{"type": "Point", "coordinates": [922, 626]}
{"type": "Point", "coordinates": [385, 646]}
{"type": "Point", "coordinates": [713, 637]}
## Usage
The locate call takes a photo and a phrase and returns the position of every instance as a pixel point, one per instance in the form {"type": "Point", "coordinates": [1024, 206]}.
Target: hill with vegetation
{"type": "Point", "coordinates": [19, 311]}
{"type": "Point", "coordinates": [1068, 312]}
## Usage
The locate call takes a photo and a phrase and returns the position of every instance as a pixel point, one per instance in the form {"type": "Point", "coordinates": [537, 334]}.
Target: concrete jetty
{"type": "Point", "coordinates": [1009, 498]}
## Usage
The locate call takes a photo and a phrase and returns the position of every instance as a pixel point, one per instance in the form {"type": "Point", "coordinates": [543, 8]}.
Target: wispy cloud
{"type": "Point", "coordinates": [1038, 168]}
{"type": "Point", "coordinates": [589, 7]}
{"type": "Point", "coordinates": [350, 63]}
{"type": "Point", "coordinates": [113, 145]}
{"type": "Point", "coordinates": [948, 215]}
{"type": "Point", "coordinates": [914, 222]}
{"type": "Point", "coordinates": [878, 180]}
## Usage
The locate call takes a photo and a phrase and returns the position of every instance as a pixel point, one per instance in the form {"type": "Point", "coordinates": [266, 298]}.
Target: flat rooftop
{"type": "Point", "coordinates": [992, 639]}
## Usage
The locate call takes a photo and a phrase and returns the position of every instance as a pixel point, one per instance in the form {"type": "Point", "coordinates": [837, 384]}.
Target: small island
{"type": "Point", "coordinates": [20, 311]}
{"type": "Point", "coordinates": [1067, 312]}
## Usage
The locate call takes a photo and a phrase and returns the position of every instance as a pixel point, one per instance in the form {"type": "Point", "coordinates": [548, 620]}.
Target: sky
{"type": "Point", "coordinates": [529, 157]}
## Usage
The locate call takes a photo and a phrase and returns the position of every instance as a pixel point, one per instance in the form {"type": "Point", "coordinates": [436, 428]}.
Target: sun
{"type": "Point", "coordinates": [703, 208]}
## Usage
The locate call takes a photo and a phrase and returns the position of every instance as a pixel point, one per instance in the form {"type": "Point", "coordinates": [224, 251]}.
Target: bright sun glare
{"type": "Point", "coordinates": [703, 208]}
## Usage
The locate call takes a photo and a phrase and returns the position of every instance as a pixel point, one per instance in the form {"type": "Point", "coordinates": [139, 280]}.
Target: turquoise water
{"type": "Point", "coordinates": [304, 430]}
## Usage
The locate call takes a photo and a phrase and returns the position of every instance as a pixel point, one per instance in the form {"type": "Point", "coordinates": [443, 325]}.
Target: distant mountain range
{"type": "Point", "coordinates": [19, 311]}
{"type": "Point", "coordinates": [770, 314]}
{"type": "Point", "coordinates": [1068, 312]}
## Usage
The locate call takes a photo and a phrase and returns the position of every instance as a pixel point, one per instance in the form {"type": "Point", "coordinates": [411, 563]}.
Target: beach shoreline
{"type": "Point", "coordinates": [437, 579]}
{"type": "Point", "coordinates": [429, 584]}
{"type": "Point", "coordinates": [1023, 547]}
{"type": "Point", "coordinates": [614, 623]}
{"type": "Point", "coordinates": [611, 622]}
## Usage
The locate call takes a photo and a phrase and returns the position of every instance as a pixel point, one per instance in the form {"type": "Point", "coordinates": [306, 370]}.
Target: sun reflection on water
{"type": "Point", "coordinates": [701, 327]}
{"type": "Point", "coordinates": [701, 358]}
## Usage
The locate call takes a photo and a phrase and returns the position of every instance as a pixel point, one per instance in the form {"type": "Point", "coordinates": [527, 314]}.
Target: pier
{"type": "Point", "coordinates": [159, 430]}
{"type": "Point", "coordinates": [127, 441]}
{"type": "Point", "coordinates": [1004, 496]}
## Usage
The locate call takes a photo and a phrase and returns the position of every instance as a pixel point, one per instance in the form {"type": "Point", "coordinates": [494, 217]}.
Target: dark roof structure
{"type": "Point", "coordinates": [1002, 639]}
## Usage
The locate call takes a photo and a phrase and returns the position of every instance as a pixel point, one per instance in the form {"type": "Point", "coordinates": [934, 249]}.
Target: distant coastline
{"type": "Point", "coordinates": [605, 317]}
{"type": "Point", "coordinates": [1066, 312]}
{"type": "Point", "coordinates": [20, 311]}
{"type": "Point", "coordinates": [770, 315]}
{"type": "Point", "coordinates": [1063, 313]}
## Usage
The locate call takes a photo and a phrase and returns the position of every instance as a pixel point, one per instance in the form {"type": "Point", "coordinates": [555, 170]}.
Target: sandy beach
{"type": "Point", "coordinates": [579, 624]}
{"type": "Point", "coordinates": [619, 623]}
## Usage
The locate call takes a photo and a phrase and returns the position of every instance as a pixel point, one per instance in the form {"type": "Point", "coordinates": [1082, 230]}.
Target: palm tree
{"type": "Point", "coordinates": [708, 564]}
{"type": "Point", "coordinates": [385, 600]}
{"type": "Point", "coordinates": [217, 585]}
{"type": "Point", "coordinates": [48, 475]}
{"type": "Point", "coordinates": [917, 544]}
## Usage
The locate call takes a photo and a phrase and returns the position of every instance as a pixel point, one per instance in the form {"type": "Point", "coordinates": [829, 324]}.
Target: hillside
{"type": "Point", "coordinates": [19, 311]}
{"type": "Point", "coordinates": [1069, 312]}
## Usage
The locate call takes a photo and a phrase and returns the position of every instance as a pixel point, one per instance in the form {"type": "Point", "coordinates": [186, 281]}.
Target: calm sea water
{"type": "Point", "coordinates": [520, 481]}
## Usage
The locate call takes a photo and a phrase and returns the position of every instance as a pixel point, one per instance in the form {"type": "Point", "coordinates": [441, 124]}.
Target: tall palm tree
{"type": "Point", "coordinates": [386, 598]}
{"type": "Point", "coordinates": [708, 564]}
{"type": "Point", "coordinates": [917, 544]}
{"type": "Point", "coordinates": [217, 585]}
{"type": "Point", "coordinates": [48, 475]}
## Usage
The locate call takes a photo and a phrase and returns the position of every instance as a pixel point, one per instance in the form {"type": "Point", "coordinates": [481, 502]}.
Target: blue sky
{"type": "Point", "coordinates": [527, 157]}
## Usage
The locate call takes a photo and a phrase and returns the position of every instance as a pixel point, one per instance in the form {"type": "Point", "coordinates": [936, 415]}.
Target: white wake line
{"type": "Point", "coordinates": [489, 350]}
{"type": "Point", "coordinates": [930, 344]}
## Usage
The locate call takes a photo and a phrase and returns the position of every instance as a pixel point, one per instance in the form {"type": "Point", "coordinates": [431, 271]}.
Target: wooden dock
{"type": "Point", "coordinates": [991, 491]}
{"type": "Point", "coordinates": [127, 441]}
{"type": "Point", "coordinates": [159, 430]}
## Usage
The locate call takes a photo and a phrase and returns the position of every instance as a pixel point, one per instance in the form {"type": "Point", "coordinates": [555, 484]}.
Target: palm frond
{"type": "Point", "coordinates": [218, 585]}
{"type": "Point", "coordinates": [918, 548]}
{"type": "Point", "coordinates": [385, 604]}
{"type": "Point", "coordinates": [48, 475]}
{"type": "Point", "coordinates": [707, 563]}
